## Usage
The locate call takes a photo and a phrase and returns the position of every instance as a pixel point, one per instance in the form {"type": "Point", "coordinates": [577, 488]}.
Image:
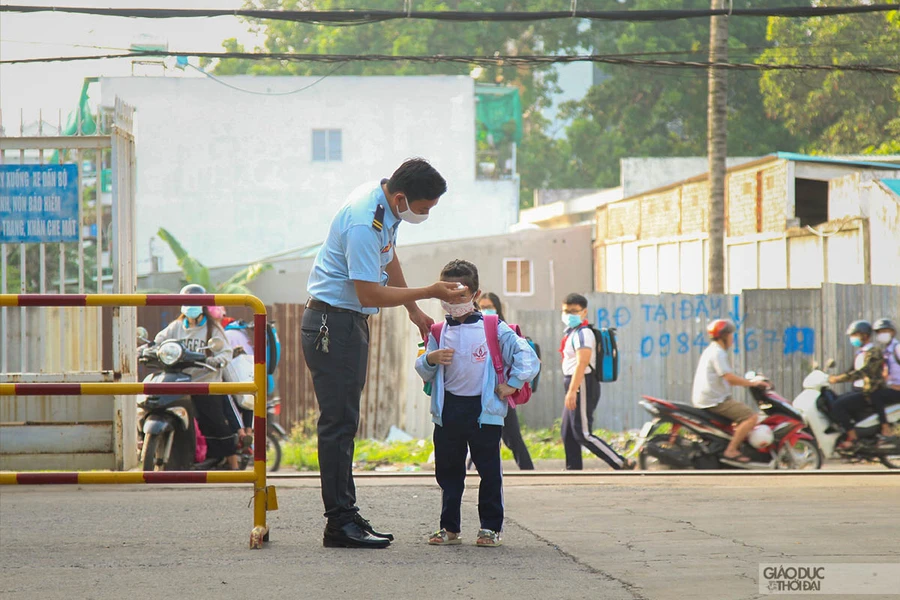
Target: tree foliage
{"type": "Point", "coordinates": [838, 112]}
{"type": "Point", "coordinates": [632, 111]}
{"type": "Point", "coordinates": [654, 111]}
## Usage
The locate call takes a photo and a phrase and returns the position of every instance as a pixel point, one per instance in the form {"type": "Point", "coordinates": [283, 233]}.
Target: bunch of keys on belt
{"type": "Point", "coordinates": [322, 338]}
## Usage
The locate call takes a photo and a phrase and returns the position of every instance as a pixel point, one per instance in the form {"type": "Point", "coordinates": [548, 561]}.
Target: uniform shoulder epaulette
{"type": "Point", "coordinates": [378, 221]}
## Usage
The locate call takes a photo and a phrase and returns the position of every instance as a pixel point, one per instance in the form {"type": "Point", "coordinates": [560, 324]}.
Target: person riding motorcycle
{"type": "Point", "coordinates": [886, 336]}
{"type": "Point", "coordinates": [194, 328]}
{"type": "Point", "coordinates": [868, 366]}
{"type": "Point", "coordinates": [712, 387]}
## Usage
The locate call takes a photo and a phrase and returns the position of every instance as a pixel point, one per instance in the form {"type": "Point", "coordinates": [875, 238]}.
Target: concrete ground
{"type": "Point", "coordinates": [594, 535]}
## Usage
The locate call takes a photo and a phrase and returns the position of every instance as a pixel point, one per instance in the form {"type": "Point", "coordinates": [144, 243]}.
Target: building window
{"type": "Point", "coordinates": [518, 277]}
{"type": "Point", "coordinates": [327, 146]}
{"type": "Point", "coordinates": [810, 201]}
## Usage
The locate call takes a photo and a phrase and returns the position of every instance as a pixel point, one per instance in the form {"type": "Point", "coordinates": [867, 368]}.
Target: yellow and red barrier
{"type": "Point", "coordinates": [264, 498]}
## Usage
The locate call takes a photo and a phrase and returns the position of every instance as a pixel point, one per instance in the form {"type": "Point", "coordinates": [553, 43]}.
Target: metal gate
{"type": "Point", "coordinates": [88, 249]}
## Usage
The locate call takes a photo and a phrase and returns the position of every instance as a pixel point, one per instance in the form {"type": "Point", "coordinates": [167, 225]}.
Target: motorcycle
{"type": "Point", "coordinates": [166, 421]}
{"type": "Point", "coordinates": [241, 369]}
{"type": "Point", "coordinates": [682, 436]}
{"type": "Point", "coordinates": [274, 434]}
{"type": "Point", "coordinates": [815, 402]}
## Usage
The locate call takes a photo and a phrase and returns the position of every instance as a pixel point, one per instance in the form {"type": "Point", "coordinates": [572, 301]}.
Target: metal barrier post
{"type": "Point", "coordinates": [264, 498]}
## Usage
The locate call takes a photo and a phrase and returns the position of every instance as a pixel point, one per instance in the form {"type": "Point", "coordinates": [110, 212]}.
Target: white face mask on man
{"type": "Point", "coordinates": [409, 216]}
{"type": "Point", "coordinates": [884, 337]}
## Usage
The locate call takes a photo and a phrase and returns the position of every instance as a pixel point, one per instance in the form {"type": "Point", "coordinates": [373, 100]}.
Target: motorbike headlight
{"type": "Point", "coordinates": [170, 353]}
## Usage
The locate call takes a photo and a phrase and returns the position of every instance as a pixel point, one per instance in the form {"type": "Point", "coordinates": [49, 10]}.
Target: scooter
{"type": "Point", "coordinates": [815, 402]}
{"type": "Point", "coordinates": [274, 433]}
{"type": "Point", "coordinates": [166, 421]}
{"type": "Point", "coordinates": [684, 437]}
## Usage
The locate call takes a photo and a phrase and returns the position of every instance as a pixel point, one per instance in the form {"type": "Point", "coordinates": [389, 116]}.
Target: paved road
{"type": "Point", "coordinates": [597, 536]}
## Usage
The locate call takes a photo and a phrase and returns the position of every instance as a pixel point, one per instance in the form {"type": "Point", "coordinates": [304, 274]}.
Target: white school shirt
{"type": "Point", "coordinates": [464, 376]}
{"type": "Point", "coordinates": [577, 339]}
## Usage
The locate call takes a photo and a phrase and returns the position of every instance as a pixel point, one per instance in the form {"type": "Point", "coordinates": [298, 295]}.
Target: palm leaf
{"type": "Point", "coordinates": [194, 271]}
{"type": "Point", "coordinates": [243, 277]}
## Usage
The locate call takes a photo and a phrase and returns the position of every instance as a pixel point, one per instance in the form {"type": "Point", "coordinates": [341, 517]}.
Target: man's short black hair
{"type": "Point", "coordinates": [462, 270]}
{"type": "Point", "coordinates": [417, 180]}
{"type": "Point", "coordinates": [577, 300]}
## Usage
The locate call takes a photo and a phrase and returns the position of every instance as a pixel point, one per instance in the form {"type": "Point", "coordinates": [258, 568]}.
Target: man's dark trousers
{"type": "Point", "coordinates": [338, 378]}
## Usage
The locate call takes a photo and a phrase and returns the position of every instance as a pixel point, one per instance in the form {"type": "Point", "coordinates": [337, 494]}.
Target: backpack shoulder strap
{"type": "Point", "coordinates": [492, 334]}
{"type": "Point", "coordinates": [436, 329]}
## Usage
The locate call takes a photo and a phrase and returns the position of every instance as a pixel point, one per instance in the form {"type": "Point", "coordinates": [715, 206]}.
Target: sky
{"type": "Point", "coordinates": [49, 87]}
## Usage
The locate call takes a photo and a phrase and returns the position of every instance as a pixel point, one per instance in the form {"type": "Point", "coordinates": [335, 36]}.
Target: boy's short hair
{"type": "Point", "coordinates": [463, 270]}
{"type": "Point", "coordinates": [577, 300]}
{"type": "Point", "coordinates": [417, 180]}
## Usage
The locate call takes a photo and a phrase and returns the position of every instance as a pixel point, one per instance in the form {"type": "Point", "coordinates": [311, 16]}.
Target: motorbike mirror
{"type": "Point", "coordinates": [142, 334]}
{"type": "Point", "coordinates": [216, 344]}
{"type": "Point", "coordinates": [830, 363]}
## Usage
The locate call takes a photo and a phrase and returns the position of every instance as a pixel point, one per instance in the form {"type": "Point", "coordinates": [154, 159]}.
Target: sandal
{"type": "Point", "coordinates": [488, 538]}
{"type": "Point", "coordinates": [442, 538]}
{"type": "Point", "coordinates": [738, 458]}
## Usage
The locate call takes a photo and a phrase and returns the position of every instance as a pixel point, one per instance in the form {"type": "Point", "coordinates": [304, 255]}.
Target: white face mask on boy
{"type": "Point", "coordinates": [458, 310]}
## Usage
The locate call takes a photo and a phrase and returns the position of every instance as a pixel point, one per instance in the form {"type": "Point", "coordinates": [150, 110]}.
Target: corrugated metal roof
{"type": "Point", "coordinates": [893, 185]}
{"type": "Point", "coordinates": [836, 161]}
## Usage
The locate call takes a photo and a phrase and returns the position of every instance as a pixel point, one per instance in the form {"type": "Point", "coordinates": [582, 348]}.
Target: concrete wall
{"type": "Point", "coordinates": [231, 174]}
{"type": "Point", "coordinates": [561, 263]}
{"type": "Point", "coordinates": [657, 241]}
{"type": "Point", "coordinates": [639, 175]}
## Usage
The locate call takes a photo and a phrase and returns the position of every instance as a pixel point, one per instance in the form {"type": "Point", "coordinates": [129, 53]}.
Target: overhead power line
{"type": "Point", "coordinates": [365, 16]}
{"type": "Point", "coordinates": [484, 61]}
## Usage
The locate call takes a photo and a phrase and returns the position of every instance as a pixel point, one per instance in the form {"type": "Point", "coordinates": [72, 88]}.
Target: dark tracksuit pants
{"type": "Point", "coordinates": [338, 378]}
{"type": "Point", "coordinates": [853, 407]}
{"type": "Point", "coordinates": [512, 437]}
{"type": "Point", "coordinates": [577, 425]}
{"type": "Point", "coordinates": [461, 432]}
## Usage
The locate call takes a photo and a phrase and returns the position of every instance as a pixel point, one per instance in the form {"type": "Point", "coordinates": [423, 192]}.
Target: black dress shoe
{"type": "Point", "coordinates": [367, 527]}
{"type": "Point", "coordinates": [351, 535]}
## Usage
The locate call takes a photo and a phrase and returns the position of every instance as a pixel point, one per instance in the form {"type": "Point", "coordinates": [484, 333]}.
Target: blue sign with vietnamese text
{"type": "Point", "coordinates": [38, 203]}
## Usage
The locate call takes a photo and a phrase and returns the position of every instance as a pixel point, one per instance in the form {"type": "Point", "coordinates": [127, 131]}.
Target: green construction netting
{"type": "Point", "coordinates": [498, 112]}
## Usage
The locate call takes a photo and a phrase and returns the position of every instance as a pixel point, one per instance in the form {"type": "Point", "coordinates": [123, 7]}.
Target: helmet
{"type": "Point", "coordinates": [860, 327]}
{"type": "Point", "coordinates": [884, 324]}
{"type": "Point", "coordinates": [761, 436]}
{"type": "Point", "coordinates": [720, 328]}
{"type": "Point", "coordinates": [193, 288]}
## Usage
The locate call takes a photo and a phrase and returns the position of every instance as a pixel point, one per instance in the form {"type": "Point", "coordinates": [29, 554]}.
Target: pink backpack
{"type": "Point", "coordinates": [492, 334]}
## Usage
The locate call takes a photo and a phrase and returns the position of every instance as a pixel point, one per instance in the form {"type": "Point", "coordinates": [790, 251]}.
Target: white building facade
{"type": "Point", "coordinates": [237, 174]}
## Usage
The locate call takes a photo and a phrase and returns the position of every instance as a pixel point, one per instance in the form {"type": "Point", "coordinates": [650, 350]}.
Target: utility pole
{"type": "Point", "coordinates": [716, 148]}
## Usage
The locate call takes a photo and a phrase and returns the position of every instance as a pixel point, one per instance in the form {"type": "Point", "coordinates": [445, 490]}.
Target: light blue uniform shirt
{"type": "Point", "coordinates": [355, 250]}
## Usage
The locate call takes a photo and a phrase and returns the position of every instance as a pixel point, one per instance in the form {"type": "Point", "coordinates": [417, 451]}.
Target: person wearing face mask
{"type": "Point", "coordinates": [215, 413]}
{"type": "Point", "coordinates": [868, 366]}
{"type": "Point", "coordinates": [355, 273]}
{"type": "Point", "coordinates": [489, 303]}
{"type": "Point", "coordinates": [468, 405]}
{"type": "Point", "coordinates": [886, 337]}
{"type": "Point", "coordinates": [578, 351]}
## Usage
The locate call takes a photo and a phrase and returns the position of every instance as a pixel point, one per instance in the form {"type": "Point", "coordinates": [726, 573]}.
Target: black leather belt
{"type": "Point", "coordinates": [327, 308]}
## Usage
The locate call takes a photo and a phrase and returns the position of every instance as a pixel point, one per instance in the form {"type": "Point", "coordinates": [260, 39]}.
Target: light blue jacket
{"type": "Point", "coordinates": [518, 358]}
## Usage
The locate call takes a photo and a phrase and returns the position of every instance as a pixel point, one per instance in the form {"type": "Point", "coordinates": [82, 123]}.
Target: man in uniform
{"type": "Point", "coordinates": [356, 272]}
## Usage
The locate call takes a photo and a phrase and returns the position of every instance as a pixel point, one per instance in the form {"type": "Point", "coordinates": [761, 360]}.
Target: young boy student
{"type": "Point", "coordinates": [468, 405]}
